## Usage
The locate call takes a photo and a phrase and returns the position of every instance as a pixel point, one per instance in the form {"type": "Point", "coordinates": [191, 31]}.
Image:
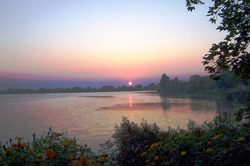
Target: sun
{"type": "Point", "coordinates": [130, 83]}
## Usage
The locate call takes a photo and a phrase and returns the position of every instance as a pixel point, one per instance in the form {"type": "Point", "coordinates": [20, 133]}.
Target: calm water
{"type": "Point", "coordinates": [91, 117]}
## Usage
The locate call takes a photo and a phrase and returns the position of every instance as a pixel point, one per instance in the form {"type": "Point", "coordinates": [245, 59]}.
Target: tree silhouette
{"type": "Point", "coordinates": [230, 54]}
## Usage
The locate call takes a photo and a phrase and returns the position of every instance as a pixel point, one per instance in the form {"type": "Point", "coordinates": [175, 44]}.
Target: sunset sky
{"type": "Point", "coordinates": [102, 40]}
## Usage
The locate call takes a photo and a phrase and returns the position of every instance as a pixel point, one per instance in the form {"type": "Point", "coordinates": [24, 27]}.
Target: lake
{"type": "Point", "coordinates": [91, 117]}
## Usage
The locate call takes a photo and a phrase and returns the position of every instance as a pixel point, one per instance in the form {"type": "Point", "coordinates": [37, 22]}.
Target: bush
{"type": "Point", "coordinates": [219, 142]}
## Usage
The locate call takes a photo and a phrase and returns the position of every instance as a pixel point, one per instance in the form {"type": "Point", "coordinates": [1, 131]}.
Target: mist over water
{"type": "Point", "coordinates": [91, 117]}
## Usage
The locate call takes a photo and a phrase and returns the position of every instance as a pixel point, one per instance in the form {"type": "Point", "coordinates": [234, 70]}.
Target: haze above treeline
{"type": "Point", "coordinates": [229, 86]}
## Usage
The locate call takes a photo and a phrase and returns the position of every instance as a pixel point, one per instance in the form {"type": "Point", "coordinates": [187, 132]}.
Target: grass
{"type": "Point", "coordinates": [222, 141]}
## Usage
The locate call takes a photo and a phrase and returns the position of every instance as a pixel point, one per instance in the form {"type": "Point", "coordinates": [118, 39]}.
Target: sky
{"type": "Point", "coordinates": [109, 41]}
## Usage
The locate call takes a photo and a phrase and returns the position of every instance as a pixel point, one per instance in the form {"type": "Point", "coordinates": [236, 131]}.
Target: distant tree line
{"type": "Point", "coordinates": [76, 89]}
{"type": "Point", "coordinates": [229, 85]}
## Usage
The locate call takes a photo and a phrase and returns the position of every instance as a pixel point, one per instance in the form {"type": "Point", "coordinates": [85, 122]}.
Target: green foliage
{"type": "Point", "coordinates": [51, 149]}
{"type": "Point", "coordinates": [219, 142]}
{"type": "Point", "coordinates": [231, 53]}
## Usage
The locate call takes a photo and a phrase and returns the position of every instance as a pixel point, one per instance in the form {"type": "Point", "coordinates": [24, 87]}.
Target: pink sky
{"type": "Point", "coordinates": [100, 40]}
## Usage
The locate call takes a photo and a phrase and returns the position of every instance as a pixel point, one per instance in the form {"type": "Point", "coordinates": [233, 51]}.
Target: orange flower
{"type": "Point", "coordinates": [58, 134]}
{"type": "Point", "coordinates": [146, 146]}
{"type": "Point", "coordinates": [156, 158]}
{"type": "Point", "coordinates": [143, 154]}
{"type": "Point", "coordinates": [161, 134]}
{"type": "Point", "coordinates": [83, 160]}
{"type": "Point", "coordinates": [75, 162]}
{"type": "Point", "coordinates": [209, 142]}
{"type": "Point", "coordinates": [14, 145]}
{"type": "Point", "coordinates": [248, 148]}
{"type": "Point", "coordinates": [147, 161]}
{"type": "Point", "coordinates": [209, 150]}
{"type": "Point", "coordinates": [24, 145]}
{"type": "Point", "coordinates": [225, 151]}
{"type": "Point", "coordinates": [50, 153]}
{"type": "Point", "coordinates": [216, 137]}
{"type": "Point", "coordinates": [154, 145]}
{"type": "Point", "coordinates": [38, 160]}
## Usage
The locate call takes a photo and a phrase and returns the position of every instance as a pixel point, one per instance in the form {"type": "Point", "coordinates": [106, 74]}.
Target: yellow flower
{"type": "Point", "coordinates": [19, 138]}
{"type": "Point", "coordinates": [83, 160]}
{"type": "Point", "coordinates": [107, 158]}
{"type": "Point", "coordinates": [65, 143]}
{"type": "Point", "coordinates": [101, 157]}
{"type": "Point", "coordinates": [216, 137]}
{"type": "Point", "coordinates": [225, 151]}
{"type": "Point", "coordinates": [58, 134]}
{"type": "Point", "coordinates": [240, 139]}
{"type": "Point", "coordinates": [183, 153]}
{"type": "Point", "coordinates": [156, 158]}
{"type": "Point", "coordinates": [75, 162]}
{"type": "Point", "coordinates": [143, 154]}
{"type": "Point", "coordinates": [50, 153]}
{"type": "Point", "coordinates": [209, 150]}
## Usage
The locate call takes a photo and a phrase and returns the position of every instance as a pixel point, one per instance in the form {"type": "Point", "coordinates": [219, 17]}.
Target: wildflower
{"type": "Point", "coordinates": [209, 150]}
{"type": "Point", "coordinates": [85, 145]}
{"type": "Point", "coordinates": [38, 160]}
{"type": "Point", "coordinates": [240, 139]}
{"type": "Point", "coordinates": [156, 158]}
{"type": "Point", "coordinates": [65, 143]}
{"type": "Point", "coordinates": [172, 150]}
{"type": "Point", "coordinates": [209, 142]}
{"type": "Point", "coordinates": [14, 145]}
{"type": "Point", "coordinates": [107, 158]}
{"type": "Point", "coordinates": [147, 161]}
{"type": "Point", "coordinates": [230, 146]}
{"type": "Point", "coordinates": [24, 145]}
{"type": "Point", "coordinates": [58, 134]}
{"type": "Point", "coordinates": [248, 148]}
{"type": "Point", "coordinates": [38, 156]}
{"type": "Point", "coordinates": [225, 151]}
{"type": "Point", "coordinates": [74, 162]}
{"type": "Point", "coordinates": [73, 157]}
{"type": "Point", "coordinates": [146, 146]}
{"type": "Point", "coordinates": [161, 134]}
{"type": "Point", "coordinates": [183, 153]}
{"type": "Point", "coordinates": [101, 157]}
{"type": "Point", "coordinates": [154, 145]}
{"type": "Point", "coordinates": [50, 153]}
{"type": "Point", "coordinates": [19, 138]}
{"type": "Point", "coordinates": [143, 154]}
{"type": "Point", "coordinates": [216, 137]}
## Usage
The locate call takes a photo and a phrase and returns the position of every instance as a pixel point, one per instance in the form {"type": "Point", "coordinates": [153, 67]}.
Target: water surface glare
{"type": "Point", "coordinates": [91, 117]}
